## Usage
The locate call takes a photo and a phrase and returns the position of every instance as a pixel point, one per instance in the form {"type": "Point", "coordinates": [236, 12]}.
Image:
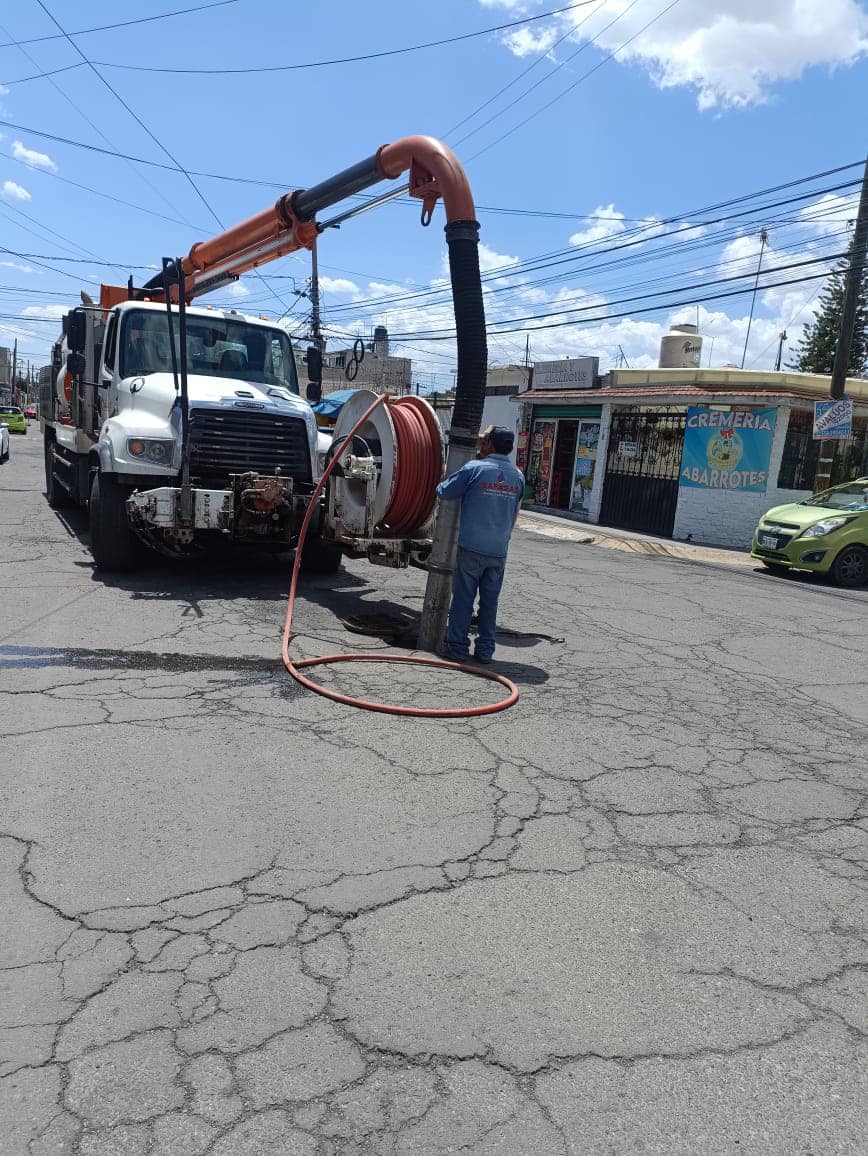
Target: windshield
{"type": "Point", "coordinates": [9, 410]}
{"type": "Point", "coordinates": [216, 347]}
{"type": "Point", "coordinates": [853, 498]}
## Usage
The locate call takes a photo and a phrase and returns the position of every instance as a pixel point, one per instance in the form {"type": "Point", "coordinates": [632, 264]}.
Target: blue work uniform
{"type": "Point", "coordinates": [490, 490]}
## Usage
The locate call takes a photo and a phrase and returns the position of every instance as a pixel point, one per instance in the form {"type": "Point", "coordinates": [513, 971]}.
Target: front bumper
{"type": "Point", "coordinates": [253, 509]}
{"type": "Point", "coordinates": [815, 554]}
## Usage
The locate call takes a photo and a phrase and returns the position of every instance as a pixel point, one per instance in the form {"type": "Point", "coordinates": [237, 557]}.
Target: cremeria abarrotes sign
{"type": "Point", "coordinates": [727, 451]}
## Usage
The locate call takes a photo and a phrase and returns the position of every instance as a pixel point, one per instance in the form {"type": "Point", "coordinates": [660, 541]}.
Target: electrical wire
{"type": "Point", "coordinates": [123, 24]}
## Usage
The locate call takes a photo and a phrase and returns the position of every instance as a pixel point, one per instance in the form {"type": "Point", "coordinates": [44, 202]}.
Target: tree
{"type": "Point", "coordinates": [816, 350]}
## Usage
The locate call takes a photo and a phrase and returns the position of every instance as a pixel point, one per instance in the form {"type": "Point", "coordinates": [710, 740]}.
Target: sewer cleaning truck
{"type": "Point", "coordinates": [171, 422]}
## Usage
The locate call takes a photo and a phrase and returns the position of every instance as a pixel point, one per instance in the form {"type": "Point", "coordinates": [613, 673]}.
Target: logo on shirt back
{"type": "Point", "coordinates": [501, 486]}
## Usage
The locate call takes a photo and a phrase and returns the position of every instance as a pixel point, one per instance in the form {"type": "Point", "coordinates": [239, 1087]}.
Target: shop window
{"type": "Point", "coordinates": [799, 460]}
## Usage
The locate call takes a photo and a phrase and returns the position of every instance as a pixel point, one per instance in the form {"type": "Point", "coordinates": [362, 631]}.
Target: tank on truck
{"type": "Point", "coordinates": [290, 224]}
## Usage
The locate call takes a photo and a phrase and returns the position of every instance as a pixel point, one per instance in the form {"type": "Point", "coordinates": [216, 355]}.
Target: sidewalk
{"type": "Point", "coordinates": [585, 533]}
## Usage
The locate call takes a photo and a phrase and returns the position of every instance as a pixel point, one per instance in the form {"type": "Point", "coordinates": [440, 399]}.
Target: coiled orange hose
{"type": "Point", "coordinates": [414, 488]}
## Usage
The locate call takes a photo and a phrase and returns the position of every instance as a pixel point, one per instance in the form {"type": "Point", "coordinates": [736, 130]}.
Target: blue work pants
{"type": "Point", "coordinates": [474, 573]}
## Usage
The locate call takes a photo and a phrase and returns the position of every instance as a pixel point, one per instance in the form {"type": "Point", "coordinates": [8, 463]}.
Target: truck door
{"type": "Point", "coordinates": [107, 369]}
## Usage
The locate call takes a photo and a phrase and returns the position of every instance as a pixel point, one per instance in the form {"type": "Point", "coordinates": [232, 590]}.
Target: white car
{"type": "Point", "coordinates": [4, 443]}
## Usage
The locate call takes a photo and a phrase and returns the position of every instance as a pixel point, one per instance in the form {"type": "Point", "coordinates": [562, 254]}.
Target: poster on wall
{"type": "Point", "coordinates": [833, 419]}
{"type": "Point", "coordinates": [727, 451]}
{"type": "Point", "coordinates": [586, 456]}
{"type": "Point", "coordinates": [539, 466]}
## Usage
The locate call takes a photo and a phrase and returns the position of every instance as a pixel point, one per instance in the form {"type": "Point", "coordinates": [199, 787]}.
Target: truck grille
{"type": "Point", "coordinates": [224, 442]}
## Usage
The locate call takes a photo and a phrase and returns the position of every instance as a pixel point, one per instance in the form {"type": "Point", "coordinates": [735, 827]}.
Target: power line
{"type": "Point", "coordinates": [123, 24]}
{"type": "Point", "coordinates": [345, 59]}
{"type": "Point", "coordinates": [581, 80]}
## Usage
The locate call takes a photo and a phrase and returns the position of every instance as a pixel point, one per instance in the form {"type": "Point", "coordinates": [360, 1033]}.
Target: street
{"type": "Point", "coordinates": [627, 915]}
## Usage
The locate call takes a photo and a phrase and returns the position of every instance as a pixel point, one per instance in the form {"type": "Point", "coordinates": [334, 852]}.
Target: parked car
{"type": "Point", "coordinates": [827, 533]}
{"type": "Point", "coordinates": [30, 412]}
{"type": "Point", "coordinates": [14, 418]}
{"type": "Point", "coordinates": [4, 442]}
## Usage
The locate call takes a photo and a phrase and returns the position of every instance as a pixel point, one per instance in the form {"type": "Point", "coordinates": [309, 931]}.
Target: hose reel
{"type": "Point", "coordinates": [387, 492]}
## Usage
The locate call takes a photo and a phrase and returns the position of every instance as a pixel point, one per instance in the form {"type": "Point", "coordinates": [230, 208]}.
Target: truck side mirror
{"type": "Point", "coordinates": [75, 329]}
{"type": "Point", "coordinates": [75, 364]}
{"type": "Point", "coordinates": [314, 391]}
{"type": "Point", "coordinates": [314, 363]}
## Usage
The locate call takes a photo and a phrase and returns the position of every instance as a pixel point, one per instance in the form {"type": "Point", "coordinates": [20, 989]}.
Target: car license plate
{"type": "Point", "coordinates": [769, 541]}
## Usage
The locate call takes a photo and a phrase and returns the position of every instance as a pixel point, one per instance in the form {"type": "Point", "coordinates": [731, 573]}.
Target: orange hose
{"type": "Point", "coordinates": [295, 668]}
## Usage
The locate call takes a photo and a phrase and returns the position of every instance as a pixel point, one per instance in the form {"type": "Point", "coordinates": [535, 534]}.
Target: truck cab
{"type": "Point", "coordinates": [116, 440]}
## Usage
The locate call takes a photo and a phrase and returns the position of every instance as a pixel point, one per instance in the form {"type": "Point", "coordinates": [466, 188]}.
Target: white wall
{"type": "Point", "coordinates": [728, 518]}
{"type": "Point", "coordinates": [502, 411]}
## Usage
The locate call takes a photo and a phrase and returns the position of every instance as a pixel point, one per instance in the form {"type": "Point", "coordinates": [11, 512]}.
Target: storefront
{"type": "Point", "coordinates": [694, 454]}
{"type": "Point", "coordinates": [558, 455]}
{"type": "Point", "coordinates": [558, 442]}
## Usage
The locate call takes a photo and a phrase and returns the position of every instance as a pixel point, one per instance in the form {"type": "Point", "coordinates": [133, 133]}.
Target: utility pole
{"type": "Point", "coordinates": [315, 323]}
{"type": "Point", "coordinates": [852, 285]}
{"type": "Point", "coordinates": [782, 336]}
{"type": "Point", "coordinates": [764, 236]}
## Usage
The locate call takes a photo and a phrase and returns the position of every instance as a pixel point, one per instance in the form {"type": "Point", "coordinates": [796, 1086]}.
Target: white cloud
{"type": "Point", "coordinates": [237, 290]}
{"type": "Point", "coordinates": [338, 285]}
{"type": "Point", "coordinates": [13, 192]}
{"type": "Point", "coordinates": [606, 222]}
{"type": "Point", "coordinates": [30, 157]}
{"type": "Point", "coordinates": [50, 311]}
{"type": "Point", "coordinates": [490, 260]}
{"type": "Point", "coordinates": [831, 213]}
{"type": "Point", "coordinates": [15, 265]}
{"type": "Point", "coordinates": [732, 52]}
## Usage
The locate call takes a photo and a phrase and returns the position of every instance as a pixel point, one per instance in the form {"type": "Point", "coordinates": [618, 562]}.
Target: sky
{"type": "Point", "coordinates": [624, 157]}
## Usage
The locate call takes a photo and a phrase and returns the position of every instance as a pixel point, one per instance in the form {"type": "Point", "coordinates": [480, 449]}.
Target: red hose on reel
{"type": "Point", "coordinates": [419, 467]}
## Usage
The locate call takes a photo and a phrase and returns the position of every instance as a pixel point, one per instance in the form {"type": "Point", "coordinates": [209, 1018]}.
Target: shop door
{"type": "Point", "coordinates": [562, 466]}
{"type": "Point", "coordinates": [640, 489]}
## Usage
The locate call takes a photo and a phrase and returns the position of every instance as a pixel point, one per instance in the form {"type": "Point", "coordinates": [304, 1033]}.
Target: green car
{"type": "Point", "coordinates": [12, 416]}
{"type": "Point", "coordinates": [827, 533]}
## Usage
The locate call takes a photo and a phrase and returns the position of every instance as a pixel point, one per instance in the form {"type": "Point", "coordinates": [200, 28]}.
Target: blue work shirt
{"type": "Point", "coordinates": [490, 490]}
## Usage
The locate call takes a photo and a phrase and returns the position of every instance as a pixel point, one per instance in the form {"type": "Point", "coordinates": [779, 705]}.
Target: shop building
{"type": "Point", "coordinates": [688, 453]}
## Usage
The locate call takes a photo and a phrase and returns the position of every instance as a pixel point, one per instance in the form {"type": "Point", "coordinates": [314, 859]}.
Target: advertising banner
{"type": "Point", "coordinates": [727, 451]}
{"type": "Point", "coordinates": [539, 468]}
{"type": "Point", "coordinates": [833, 419]}
{"type": "Point", "coordinates": [587, 443]}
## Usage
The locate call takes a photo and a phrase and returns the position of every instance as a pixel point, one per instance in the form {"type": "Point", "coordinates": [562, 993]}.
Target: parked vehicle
{"type": "Point", "coordinates": [827, 534]}
{"type": "Point", "coordinates": [30, 412]}
{"type": "Point", "coordinates": [4, 442]}
{"type": "Point", "coordinates": [13, 418]}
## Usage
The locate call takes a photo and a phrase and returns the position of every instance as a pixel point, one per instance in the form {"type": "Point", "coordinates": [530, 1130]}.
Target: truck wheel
{"type": "Point", "coordinates": [112, 542]}
{"type": "Point", "coordinates": [320, 557]}
{"type": "Point", "coordinates": [55, 494]}
{"type": "Point", "coordinates": [850, 568]}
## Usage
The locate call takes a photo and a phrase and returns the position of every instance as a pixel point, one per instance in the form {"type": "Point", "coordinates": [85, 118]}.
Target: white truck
{"type": "Point", "coordinates": [232, 449]}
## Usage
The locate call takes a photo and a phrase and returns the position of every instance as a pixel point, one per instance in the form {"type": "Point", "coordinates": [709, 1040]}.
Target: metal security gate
{"type": "Point", "coordinates": [640, 489]}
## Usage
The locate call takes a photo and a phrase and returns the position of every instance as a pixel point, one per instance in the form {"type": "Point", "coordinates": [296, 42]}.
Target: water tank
{"type": "Point", "coordinates": [681, 348]}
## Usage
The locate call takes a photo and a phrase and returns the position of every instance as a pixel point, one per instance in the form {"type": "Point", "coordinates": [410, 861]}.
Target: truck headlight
{"type": "Point", "coordinates": [155, 450]}
{"type": "Point", "coordinates": [825, 527]}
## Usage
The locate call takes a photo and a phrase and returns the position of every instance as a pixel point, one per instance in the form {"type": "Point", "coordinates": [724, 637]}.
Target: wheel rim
{"type": "Point", "coordinates": [851, 566]}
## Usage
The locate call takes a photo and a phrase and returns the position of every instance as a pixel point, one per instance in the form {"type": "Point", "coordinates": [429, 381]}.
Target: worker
{"type": "Point", "coordinates": [490, 490]}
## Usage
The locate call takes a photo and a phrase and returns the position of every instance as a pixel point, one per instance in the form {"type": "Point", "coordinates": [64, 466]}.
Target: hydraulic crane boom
{"type": "Point", "coordinates": [290, 224]}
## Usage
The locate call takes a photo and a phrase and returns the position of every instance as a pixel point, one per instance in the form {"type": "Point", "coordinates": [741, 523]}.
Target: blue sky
{"type": "Point", "coordinates": [655, 111]}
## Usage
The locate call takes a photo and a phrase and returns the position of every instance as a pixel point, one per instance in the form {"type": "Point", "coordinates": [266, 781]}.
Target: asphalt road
{"type": "Point", "coordinates": [625, 916]}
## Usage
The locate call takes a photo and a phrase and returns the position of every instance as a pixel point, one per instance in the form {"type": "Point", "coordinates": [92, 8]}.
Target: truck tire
{"type": "Point", "coordinates": [112, 542]}
{"type": "Point", "coordinates": [55, 494]}
{"type": "Point", "coordinates": [320, 557]}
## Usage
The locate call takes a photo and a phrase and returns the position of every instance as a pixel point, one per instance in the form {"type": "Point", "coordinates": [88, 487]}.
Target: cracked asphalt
{"type": "Point", "coordinates": [626, 916]}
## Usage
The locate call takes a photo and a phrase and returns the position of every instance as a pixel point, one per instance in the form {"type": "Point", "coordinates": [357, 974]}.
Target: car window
{"type": "Point", "coordinates": [852, 498]}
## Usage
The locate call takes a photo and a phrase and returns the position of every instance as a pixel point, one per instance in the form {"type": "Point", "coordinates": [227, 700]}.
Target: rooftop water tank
{"type": "Point", "coordinates": [681, 348]}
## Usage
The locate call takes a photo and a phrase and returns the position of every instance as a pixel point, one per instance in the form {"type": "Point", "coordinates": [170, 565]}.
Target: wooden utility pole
{"type": "Point", "coordinates": [852, 286]}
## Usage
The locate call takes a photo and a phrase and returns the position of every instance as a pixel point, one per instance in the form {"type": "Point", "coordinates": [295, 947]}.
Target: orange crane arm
{"type": "Point", "coordinates": [290, 224]}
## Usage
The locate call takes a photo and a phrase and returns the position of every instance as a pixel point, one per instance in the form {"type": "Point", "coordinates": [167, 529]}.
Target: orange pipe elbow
{"type": "Point", "coordinates": [426, 155]}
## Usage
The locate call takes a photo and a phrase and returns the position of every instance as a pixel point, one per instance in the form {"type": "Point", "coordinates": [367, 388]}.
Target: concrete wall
{"type": "Point", "coordinates": [502, 411]}
{"type": "Point", "coordinates": [725, 518]}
